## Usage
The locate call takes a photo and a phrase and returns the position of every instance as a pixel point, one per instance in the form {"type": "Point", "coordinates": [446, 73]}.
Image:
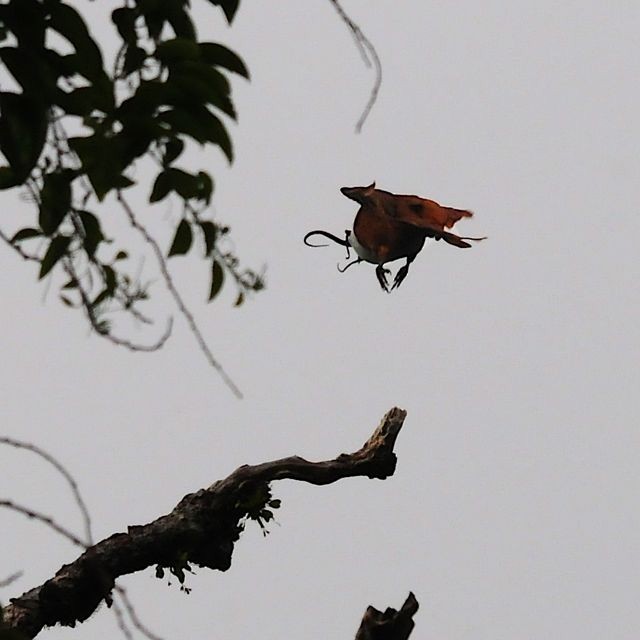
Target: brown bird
{"type": "Point", "coordinates": [389, 226]}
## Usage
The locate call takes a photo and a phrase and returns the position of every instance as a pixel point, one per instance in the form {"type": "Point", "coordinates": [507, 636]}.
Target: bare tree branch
{"type": "Point", "coordinates": [202, 529]}
{"type": "Point", "coordinates": [65, 474]}
{"type": "Point", "coordinates": [390, 625]}
{"type": "Point", "coordinates": [369, 55]}
{"type": "Point", "coordinates": [162, 263]}
{"type": "Point", "coordinates": [50, 522]}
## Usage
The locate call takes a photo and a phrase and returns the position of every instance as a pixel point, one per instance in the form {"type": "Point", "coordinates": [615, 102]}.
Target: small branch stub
{"type": "Point", "coordinates": [390, 624]}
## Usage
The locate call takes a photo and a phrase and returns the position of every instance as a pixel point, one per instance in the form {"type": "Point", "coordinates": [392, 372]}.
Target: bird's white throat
{"type": "Point", "coordinates": [363, 252]}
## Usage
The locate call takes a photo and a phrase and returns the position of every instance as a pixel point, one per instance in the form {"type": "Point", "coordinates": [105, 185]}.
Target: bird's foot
{"type": "Point", "coordinates": [381, 273]}
{"type": "Point", "coordinates": [400, 276]}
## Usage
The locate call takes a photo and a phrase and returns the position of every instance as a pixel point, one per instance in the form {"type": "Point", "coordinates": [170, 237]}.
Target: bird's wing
{"type": "Point", "coordinates": [428, 215]}
{"type": "Point", "coordinates": [422, 213]}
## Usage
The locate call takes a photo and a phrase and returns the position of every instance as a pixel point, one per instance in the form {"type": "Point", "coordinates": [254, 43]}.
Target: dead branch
{"type": "Point", "coordinates": [390, 625]}
{"type": "Point", "coordinates": [202, 529]}
{"type": "Point", "coordinates": [62, 470]}
{"type": "Point", "coordinates": [369, 55]}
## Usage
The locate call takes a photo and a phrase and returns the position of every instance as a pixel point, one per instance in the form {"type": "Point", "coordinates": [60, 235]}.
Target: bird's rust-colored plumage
{"type": "Point", "coordinates": [390, 226]}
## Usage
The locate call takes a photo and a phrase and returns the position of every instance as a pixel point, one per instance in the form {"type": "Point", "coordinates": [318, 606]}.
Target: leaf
{"type": "Point", "coordinates": [55, 201]}
{"type": "Point", "coordinates": [79, 102]}
{"type": "Point", "coordinates": [72, 284]}
{"type": "Point", "coordinates": [192, 81]}
{"type": "Point", "coordinates": [228, 6]}
{"type": "Point", "coordinates": [172, 150]}
{"type": "Point", "coordinates": [205, 186]}
{"type": "Point", "coordinates": [182, 240]}
{"type": "Point", "coordinates": [217, 278]}
{"type": "Point", "coordinates": [83, 101]}
{"type": "Point", "coordinates": [161, 187]}
{"type": "Point", "coordinates": [177, 49]}
{"type": "Point", "coordinates": [124, 19]}
{"type": "Point", "coordinates": [25, 234]}
{"type": "Point", "coordinates": [26, 19]}
{"type": "Point", "coordinates": [218, 55]}
{"type": "Point", "coordinates": [180, 21]}
{"type": "Point", "coordinates": [57, 248]}
{"type": "Point", "coordinates": [110, 280]}
{"type": "Point", "coordinates": [31, 70]}
{"type": "Point", "coordinates": [8, 178]}
{"type": "Point", "coordinates": [210, 231]}
{"type": "Point", "coordinates": [137, 136]}
{"type": "Point", "coordinates": [199, 123]}
{"type": "Point", "coordinates": [103, 160]}
{"type": "Point", "coordinates": [92, 230]}
{"type": "Point", "coordinates": [134, 58]}
{"type": "Point", "coordinates": [154, 16]}
{"type": "Point", "coordinates": [69, 24]}
{"type": "Point", "coordinates": [23, 129]}
{"type": "Point", "coordinates": [184, 184]}
{"type": "Point", "coordinates": [103, 327]}
{"type": "Point", "coordinates": [100, 298]}
{"type": "Point", "coordinates": [149, 96]}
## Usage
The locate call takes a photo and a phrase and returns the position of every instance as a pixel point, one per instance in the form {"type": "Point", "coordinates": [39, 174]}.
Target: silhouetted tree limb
{"type": "Point", "coordinates": [202, 530]}
{"type": "Point", "coordinates": [390, 625]}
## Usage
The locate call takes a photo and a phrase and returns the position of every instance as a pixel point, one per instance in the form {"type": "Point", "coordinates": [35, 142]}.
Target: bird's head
{"type": "Point", "coordinates": [359, 194]}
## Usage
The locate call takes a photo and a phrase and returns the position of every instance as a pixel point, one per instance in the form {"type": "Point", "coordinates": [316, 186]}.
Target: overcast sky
{"type": "Point", "coordinates": [514, 509]}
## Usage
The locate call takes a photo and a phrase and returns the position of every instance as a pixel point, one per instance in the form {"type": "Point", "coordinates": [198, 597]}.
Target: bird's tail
{"type": "Point", "coordinates": [457, 241]}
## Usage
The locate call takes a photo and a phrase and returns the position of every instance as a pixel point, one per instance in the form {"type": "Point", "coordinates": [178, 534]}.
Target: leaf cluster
{"type": "Point", "coordinates": [258, 504]}
{"type": "Point", "coordinates": [166, 88]}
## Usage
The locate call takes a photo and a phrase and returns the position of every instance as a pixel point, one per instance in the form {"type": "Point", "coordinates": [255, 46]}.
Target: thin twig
{"type": "Point", "coordinates": [50, 522]}
{"type": "Point", "coordinates": [177, 297]}
{"type": "Point", "coordinates": [93, 321]}
{"type": "Point", "coordinates": [135, 620]}
{"type": "Point", "coordinates": [122, 623]}
{"type": "Point", "coordinates": [65, 474]}
{"type": "Point", "coordinates": [367, 50]}
{"type": "Point", "coordinates": [5, 582]}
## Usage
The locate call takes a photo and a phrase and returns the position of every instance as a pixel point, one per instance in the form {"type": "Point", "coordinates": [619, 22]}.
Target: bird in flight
{"type": "Point", "coordinates": [388, 227]}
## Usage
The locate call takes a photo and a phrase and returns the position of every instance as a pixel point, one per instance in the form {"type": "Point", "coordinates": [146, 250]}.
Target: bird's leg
{"type": "Point", "coordinates": [347, 233]}
{"type": "Point", "coordinates": [402, 272]}
{"type": "Point", "coordinates": [381, 273]}
{"type": "Point", "coordinates": [346, 266]}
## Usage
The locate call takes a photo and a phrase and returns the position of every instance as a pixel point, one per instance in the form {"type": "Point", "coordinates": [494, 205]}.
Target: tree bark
{"type": "Point", "coordinates": [202, 529]}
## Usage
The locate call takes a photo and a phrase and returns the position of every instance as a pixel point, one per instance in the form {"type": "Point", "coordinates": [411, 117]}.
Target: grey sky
{"type": "Point", "coordinates": [514, 509]}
